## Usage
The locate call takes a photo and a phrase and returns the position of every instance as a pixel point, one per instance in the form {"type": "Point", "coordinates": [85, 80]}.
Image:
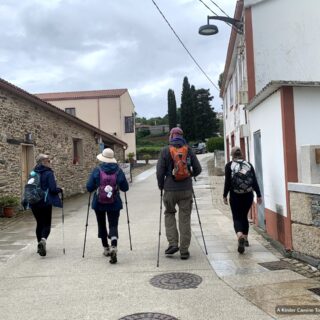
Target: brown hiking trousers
{"type": "Point", "coordinates": [184, 201]}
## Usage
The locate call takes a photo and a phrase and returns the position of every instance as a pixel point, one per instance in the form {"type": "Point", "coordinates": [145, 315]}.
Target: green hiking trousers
{"type": "Point", "coordinates": [184, 201]}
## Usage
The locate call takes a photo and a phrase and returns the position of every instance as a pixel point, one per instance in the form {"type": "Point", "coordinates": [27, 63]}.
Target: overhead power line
{"type": "Point", "coordinates": [208, 7]}
{"type": "Point", "coordinates": [191, 56]}
{"type": "Point", "coordinates": [233, 27]}
{"type": "Point", "coordinates": [220, 8]}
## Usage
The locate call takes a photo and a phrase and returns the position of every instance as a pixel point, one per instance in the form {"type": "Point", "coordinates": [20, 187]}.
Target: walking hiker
{"type": "Point", "coordinates": [41, 193]}
{"type": "Point", "coordinates": [240, 181]}
{"type": "Point", "coordinates": [107, 179]}
{"type": "Point", "coordinates": [176, 166]}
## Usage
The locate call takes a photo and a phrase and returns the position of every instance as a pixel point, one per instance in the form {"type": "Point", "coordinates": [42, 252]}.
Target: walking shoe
{"type": "Point", "coordinates": [113, 255]}
{"type": "Point", "coordinates": [171, 250]}
{"type": "Point", "coordinates": [106, 251]}
{"type": "Point", "coordinates": [184, 255]}
{"type": "Point", "coordinates": [241, 247]}
{"type": "Point", "coordinates": [42, 247]}
{"type": "Point", "coordinates": [246, 243]}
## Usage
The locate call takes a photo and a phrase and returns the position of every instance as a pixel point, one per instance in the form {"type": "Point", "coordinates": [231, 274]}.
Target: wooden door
{"type": "Point", "coordinates": [27, 163]}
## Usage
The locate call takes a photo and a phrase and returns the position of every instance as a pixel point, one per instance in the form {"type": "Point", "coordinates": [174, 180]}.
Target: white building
{"type": "Point", "coordinates": [271, 98]}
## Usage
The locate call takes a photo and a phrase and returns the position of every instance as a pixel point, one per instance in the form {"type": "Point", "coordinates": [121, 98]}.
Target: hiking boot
{"type": "Point", "coordinates": [106, 251]}
{"type": "Point", "coordinates": [42, 247]}
{"type": "Point", "coordinates": [246, 243]}
{"type": "Point", "coordinates": [241, 247]}
{"type": "Point", "coordinates": [171, 250]}
{"type": "Point", "coordinates": [184, 255]}
{"type": "Point", "coordinates": [113, 255]}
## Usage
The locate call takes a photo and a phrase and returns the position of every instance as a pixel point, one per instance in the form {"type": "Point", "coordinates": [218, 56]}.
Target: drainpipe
{"type": "Point", "coordinates": [98, 102]}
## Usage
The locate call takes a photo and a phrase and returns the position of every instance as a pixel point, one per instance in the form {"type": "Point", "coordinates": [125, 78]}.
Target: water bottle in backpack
{"type": "Point", "coordinates": [32, 190]}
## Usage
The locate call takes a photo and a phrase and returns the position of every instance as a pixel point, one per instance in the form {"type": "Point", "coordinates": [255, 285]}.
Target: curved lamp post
{"type": "Point", "coordinates": [211, 29]}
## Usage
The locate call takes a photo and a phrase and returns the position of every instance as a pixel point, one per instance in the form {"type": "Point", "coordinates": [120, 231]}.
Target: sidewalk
{"type": "Point", "coordinates": [223, 285]}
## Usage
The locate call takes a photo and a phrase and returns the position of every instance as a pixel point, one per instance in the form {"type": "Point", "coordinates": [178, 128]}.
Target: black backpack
{"type": "Point", "coordinates": [241, 176]}
{"type": "Point", "coordinates": [32, 190]}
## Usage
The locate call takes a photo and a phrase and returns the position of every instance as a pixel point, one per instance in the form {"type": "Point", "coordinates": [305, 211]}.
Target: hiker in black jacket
{"type": "Point", "coordinates": [42, 210]}
{"type": "Point", "coordinates": [241, 194]}
{"type": "Point", "coordinates": [175, 178]}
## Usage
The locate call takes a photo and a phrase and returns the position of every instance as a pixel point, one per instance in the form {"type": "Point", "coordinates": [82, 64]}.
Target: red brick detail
{"type": "Point", "coordinates": [290, 153]}
{"type": "Point", "coordinates": [250, 53]}
{"type": "Point", "coordinates": [279, 228]}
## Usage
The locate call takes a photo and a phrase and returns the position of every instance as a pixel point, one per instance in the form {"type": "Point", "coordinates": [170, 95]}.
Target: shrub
{"type": "Point", "coordinates": [215, 143]}
{"type": "Point", "coordinates": [146, 157]}
{"type": "Point", "coordinates": [9, 201]}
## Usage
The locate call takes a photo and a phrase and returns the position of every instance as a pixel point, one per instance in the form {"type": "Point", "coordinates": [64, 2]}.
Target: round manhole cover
{"type": "Point", "coordinates": [148, 315]}
{"type": "Point", "coordinates": [176, 281]}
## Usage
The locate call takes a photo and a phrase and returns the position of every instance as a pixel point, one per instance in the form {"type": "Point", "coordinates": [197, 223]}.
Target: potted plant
{"type": "Point", "coordinates": [9, 203]}
{"type": "Point", "coordinates": [146, 157]}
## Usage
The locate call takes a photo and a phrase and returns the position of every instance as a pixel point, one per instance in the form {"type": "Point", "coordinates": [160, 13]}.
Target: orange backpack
{"type": "Point", "coordinates": [180, 163]}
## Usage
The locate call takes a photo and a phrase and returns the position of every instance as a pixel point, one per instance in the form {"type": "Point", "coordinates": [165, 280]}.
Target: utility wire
{"type": "Point", "coordinates": [220, 8]}
{"type": "Point", "coordinates": [194, 60]}
{"type": "Point", "coordinates": [233, 27]}
{"type": "Point", "coordinates": [208, 7]}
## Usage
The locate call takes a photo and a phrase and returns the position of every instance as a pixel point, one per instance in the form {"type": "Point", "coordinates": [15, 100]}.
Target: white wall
{"type": "Point", "coordinates": [286, 41]}
{"type": "Point", "coordinates": [266, 117]}
{"type": "Point", "coordinates": [307, 115]}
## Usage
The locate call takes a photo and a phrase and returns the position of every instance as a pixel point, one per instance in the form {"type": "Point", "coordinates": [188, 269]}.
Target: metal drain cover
{"type": "Point", "coordinates": [276, 265]}
{"type": "Point", "coordinates": [315, 291]}
{"type": "Point", "coordinates": [148, 315]}
{"type": "Point", "coordinates": [176, 281]}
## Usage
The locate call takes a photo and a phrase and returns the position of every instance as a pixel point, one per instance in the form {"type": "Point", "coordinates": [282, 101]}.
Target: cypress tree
{"type": "Point", "coordinates": [172, 109]}
{"type": "Point", "coordinates": [186, 109]}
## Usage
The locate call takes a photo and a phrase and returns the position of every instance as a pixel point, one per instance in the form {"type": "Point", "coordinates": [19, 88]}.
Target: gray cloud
{"type": "Point", "coordinates": [52, 45]}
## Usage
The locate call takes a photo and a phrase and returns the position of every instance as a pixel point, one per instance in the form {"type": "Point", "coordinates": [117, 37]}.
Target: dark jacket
{"type": "Point", "coordinates": [165, 166]}
{"type": "Point", "coordinates": [227, 181]}
{"type": "Point", "coordinates": [94, 183]}
{"type": "Point", "coordinates": [48, 184]}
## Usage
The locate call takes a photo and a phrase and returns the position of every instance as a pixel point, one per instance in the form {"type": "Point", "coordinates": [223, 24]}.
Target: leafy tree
{"type": "Point", "coordinates": [205, 120]}
{"type": "Point", "coordinates": [172, 109]}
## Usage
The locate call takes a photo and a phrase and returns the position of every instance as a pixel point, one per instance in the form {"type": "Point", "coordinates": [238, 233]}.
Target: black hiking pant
{"type": "Point", "coordinates": [240, 205]}
{"type": "Point", "coordinates": [43, 216]}
{"type": "Point", "coordinates": [113, 220]}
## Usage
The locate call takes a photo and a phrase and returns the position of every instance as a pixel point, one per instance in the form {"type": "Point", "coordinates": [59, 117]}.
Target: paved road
{"type": "Point", "coordinates": [71, 287]}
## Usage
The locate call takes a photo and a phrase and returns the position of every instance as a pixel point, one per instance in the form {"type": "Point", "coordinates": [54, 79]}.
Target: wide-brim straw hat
{"type": "Point", "coordinates": [107, 156]}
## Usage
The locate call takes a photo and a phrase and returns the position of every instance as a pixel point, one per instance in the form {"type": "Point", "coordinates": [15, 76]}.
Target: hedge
{"type": "Point", "coordinates": [215, 143]}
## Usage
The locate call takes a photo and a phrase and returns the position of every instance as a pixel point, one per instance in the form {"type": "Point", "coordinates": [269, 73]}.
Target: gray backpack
{"type": "Point", "coordinates": [241, 176]}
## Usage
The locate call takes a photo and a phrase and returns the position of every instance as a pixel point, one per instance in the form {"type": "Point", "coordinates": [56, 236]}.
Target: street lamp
{"type": "Point", "coordinates": [211, 29]}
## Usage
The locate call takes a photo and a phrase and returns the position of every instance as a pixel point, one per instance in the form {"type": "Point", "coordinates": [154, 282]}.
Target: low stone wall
{"type": "Point", "coordinates": [305, 217]}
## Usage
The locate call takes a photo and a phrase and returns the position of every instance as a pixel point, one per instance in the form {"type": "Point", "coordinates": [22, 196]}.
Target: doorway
{"type": "Point", "coordinates": [27, 163]}
{"type": "Point", "coordinates": [259, 175]}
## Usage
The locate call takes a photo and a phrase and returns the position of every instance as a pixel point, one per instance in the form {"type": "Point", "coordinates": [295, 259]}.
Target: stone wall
{"type": "Point", "coordinates": [51, 134]}
{"type": "Point", "coordinates": [305, 216]}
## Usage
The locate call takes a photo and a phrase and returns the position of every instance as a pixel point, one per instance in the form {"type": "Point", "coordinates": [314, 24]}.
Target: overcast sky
{"type": "Point", "coordinates": [74, 45]}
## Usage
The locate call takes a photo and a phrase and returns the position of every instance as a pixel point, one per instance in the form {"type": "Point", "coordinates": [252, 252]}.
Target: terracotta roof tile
{"type": "Point", "coordinates": [113, 93]}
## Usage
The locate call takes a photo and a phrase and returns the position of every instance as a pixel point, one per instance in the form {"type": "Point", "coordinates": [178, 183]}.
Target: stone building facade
{"type": "Point", "coordinates": [29, 126]}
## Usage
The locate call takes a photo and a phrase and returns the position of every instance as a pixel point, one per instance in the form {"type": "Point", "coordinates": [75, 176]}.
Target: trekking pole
{"type": "Point", "coordinates": [62, 213]}
{"type": "Point", "coordinates": [125, 196]}
{"type": "Point", "coordinates": [159, 228]}
{"type": "Point", "coordinates": [195, 202]}
{"type": "Point", "coordinates": [85, 235]}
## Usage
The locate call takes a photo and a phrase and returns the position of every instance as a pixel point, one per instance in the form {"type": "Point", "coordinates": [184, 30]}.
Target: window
{"type": "Point", "coordinates": [129, 124]}
{"type": "Point", "coordinates": [71, 111]}
{"type": "Point", "coordinates": [77, 151]}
